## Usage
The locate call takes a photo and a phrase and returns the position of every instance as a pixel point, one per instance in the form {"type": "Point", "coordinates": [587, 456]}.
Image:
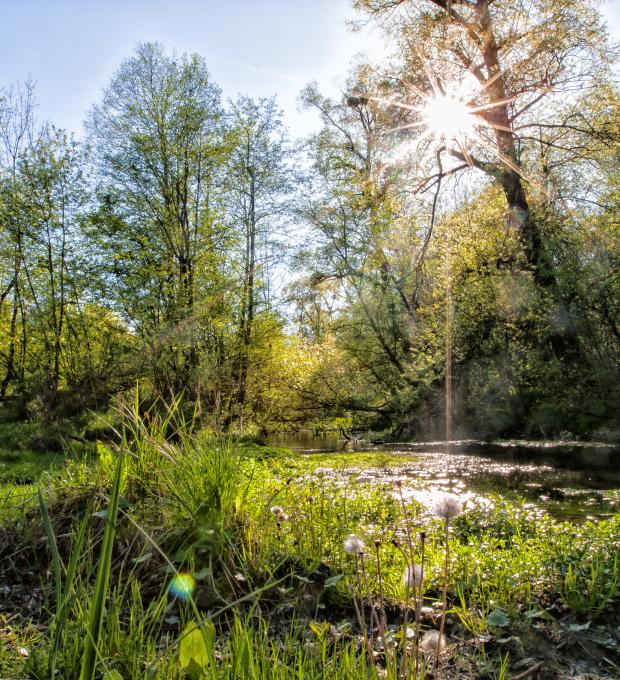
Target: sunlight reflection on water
{"type": "Point", "coordinates": [570, 480]}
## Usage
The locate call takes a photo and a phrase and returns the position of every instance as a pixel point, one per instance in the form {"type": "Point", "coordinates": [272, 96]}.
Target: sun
{"type": "Point", "coordinates": [448, 117]}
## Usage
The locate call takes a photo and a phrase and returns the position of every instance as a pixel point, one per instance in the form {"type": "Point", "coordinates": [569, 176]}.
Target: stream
{"type": "Point", "coordinates": [570, 480]}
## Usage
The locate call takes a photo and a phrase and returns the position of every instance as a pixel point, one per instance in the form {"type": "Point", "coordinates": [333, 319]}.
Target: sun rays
{"type": "Point", "coordinates": [447, 117]}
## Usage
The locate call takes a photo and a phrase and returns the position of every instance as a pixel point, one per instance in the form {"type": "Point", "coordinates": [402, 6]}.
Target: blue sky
{"type": "Point", "coordinates": [255, 47]}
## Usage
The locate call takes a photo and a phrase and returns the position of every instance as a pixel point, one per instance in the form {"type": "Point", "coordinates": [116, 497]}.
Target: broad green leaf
{"type": "Point", "coordinates": [195, 647]}
{"type": "Point", "coordinates": [112, 675]}
{"type": "Point", "coordinates": [333, 580]}
{"type": "Point", "coordinates": [498, 618]}
{"type": "Point", "coordinates": [539, 614]}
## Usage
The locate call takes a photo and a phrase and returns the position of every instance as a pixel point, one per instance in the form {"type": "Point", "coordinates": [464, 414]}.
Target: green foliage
{"type": "Point", "coordinates": [139, 269]}
{"type": "Point", "coordinates": [196, 649]}
{"type": "Point", "coordinates": [586, 566]}
{"type": "Point", "coordinates": [206, 511]}
{"type": "Point", "coordinates": [97, 603]}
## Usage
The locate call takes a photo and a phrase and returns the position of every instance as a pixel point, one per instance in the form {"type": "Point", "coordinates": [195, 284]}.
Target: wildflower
{"type": "Point", "coordinates": [432, 642]}
{"type": "Point", "coordinates": [447, 506]}
{"type": "Point", "coordinates": [413, 576]}
{"type": "Point", "coordinates": [354, 545]}
{"type": "Point", "coordinates": [322, 471]}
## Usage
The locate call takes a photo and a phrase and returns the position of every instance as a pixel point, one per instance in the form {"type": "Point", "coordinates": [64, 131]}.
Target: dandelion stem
{"type": "Point", "coordinates": [444, 604]}
{"type": "Point", "coordinates": [362, 613]}
{"type": "Point", "coordinates": [406, 518]}
{"type": "Point", "coordinates": [405, 628]}
{"type": "Point", "coordinates": [418, 606]}
{"type": "Point", "coordinates": [406, 612]}
{"type": "Point", "coordinates": [383, 622]}
{"type": "Point", "coordinates": [371, 604]}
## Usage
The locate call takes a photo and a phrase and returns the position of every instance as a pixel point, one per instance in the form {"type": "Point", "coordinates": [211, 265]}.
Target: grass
{"type": "Point", "coordinates": [197, 578]}
{"type": "Point", "coordinates": [25, 467]}
{"type": "Point", "coordinates": [27, 449]}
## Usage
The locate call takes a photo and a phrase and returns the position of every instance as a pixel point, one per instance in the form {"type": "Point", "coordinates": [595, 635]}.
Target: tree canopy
{"type": "Point", "coordinates": [447, 240]}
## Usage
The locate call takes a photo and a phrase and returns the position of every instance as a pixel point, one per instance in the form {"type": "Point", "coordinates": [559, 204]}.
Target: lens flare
{"type": "Point", "coordinates": [182, 586]}
{"type": "Point", "coordinates": [448, 117]}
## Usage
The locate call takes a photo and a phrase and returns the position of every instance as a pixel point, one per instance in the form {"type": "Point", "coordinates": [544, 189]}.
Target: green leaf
{"type": "Point", "coordinates": [51, 540]}
{"type": "Point", "coordinates": [194, 670]}
{"type": "Point", "coordinates": [112, 675]}
{"type": "Point", "coordinates": [319, 629]}
{"type": "Point", "coordinates": [97, 603]}
{"type": "Point", "coordinates": [539, 614]}
{"type": "Point", "coordinates": [143, 558]}
{"type": "Point", "coordinates": [498, 618]}
{"type": "Point", "coordinates": [333, 580]}
{"type": "Point", "coordinates": [195, 647]}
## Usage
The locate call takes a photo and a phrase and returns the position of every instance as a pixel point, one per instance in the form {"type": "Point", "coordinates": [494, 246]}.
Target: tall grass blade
{"type": "Point", "coordinates": [51, 539]}
{"type": "Point", "coordinates": [89, 659]}
{"type": "Point", "coordinates": [63, 607]}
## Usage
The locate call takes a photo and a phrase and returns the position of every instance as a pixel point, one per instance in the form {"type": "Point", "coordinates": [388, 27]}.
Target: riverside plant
{"type": "Point", "coordinates": [355, 546]}
{"type": "Point", "coordinates": [446, 507]}
{"type": "Point", "coordinates": [202, 482]}
{"type": "Point", "coordinates": [207, 482]}
{"type": "Point", "coordinates": [433, 643]}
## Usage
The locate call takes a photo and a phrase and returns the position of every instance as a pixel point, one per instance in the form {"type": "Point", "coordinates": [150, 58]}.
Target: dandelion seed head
{"type": "Point", "coordinates": [353, 545]}
{"type": "Point", "coordinates": [447, 506]}
{"type": "Point", "coordinates": [276, 510]}
{"type": "Point", "coordinates": [413, 576]}
{"type": "Point", "coordinates": [431, 640]}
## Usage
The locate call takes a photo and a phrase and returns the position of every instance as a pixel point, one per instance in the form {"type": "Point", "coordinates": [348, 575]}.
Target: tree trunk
{"type": "Point", "coordinates": [248, 318]}
{"type": "Point", "coordinates": [509, 169]}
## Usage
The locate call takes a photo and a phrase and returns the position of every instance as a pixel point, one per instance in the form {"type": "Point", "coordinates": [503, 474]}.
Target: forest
{"type": "Point", "coordinates": [186, 287]}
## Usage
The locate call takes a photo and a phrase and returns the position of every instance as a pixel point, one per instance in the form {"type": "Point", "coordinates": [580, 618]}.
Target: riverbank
{"type": "Point", "coordinates": [247, 542]}
{"type": "Point", "coordinates": [568, 481]}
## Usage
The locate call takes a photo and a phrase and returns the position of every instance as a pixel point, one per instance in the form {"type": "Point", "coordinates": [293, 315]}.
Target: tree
{"type": "Point", "coordinates": [16, 135]}
{"type": "Point", "coordinates": [160, 145]}
{"type": "Point", "coordinates": [43, 206]}
{"type": "Point", "coordinates": [257, 185]}
{"type": "Point", "coordinates": [358, 220]}
{"type": "Point", "coordinates": [372, 248]}
{"type": "Point", "coordinates": [525, 59]}
{"type": "Point", "coordinates": [52, 201]}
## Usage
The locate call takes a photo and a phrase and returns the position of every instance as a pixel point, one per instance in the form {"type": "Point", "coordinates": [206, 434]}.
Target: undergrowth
{"type": "Point", "coordinates": [198, 576]}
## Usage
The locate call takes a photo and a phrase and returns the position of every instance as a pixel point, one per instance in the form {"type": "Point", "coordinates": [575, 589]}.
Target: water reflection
{"type": "Point", "coordinates": [568, 479]}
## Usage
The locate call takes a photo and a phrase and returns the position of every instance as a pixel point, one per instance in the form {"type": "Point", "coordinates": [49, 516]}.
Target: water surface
{"type": "Point", "coordinates": [571, 480]}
